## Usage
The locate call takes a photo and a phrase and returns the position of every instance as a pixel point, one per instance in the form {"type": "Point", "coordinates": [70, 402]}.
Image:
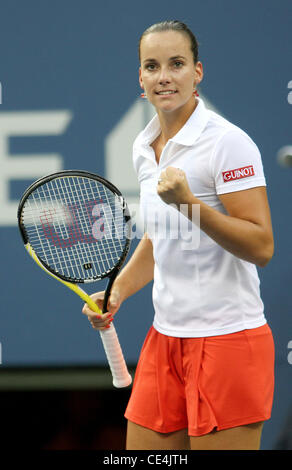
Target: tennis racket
{"type": "Point", "coordinates": [77, 227]}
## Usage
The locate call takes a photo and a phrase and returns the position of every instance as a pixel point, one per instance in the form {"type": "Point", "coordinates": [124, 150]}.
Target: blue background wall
{"type": "Point", "coordinates": [79, 59]}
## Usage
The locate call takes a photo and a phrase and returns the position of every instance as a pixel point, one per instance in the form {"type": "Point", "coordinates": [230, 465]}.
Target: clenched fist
{"type": "Point", "coordinates": [173, 187]}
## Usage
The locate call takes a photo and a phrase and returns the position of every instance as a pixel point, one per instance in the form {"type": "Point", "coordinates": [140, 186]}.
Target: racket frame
{"type": "Point", "coordinates": [65, 173]}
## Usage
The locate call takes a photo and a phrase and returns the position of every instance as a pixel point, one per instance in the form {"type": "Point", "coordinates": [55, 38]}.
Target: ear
{"type": "Point", "coordinates": [199, 74]}
{"type": "Point", "coordinates": [140, 79]}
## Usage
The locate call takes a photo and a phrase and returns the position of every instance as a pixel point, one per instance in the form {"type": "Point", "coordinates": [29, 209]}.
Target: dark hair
{"type": "Point", "coordinates": [173, 25]}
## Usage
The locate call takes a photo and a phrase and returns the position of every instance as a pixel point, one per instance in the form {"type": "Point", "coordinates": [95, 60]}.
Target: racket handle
{"type": "Point", "coordinates": [121, 376]}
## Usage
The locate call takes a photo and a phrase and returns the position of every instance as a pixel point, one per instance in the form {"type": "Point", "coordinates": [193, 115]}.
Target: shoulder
{"type": "Point", "coordinates": [235, 161]}
{"type": "Point", "coordinates": [226, 133]}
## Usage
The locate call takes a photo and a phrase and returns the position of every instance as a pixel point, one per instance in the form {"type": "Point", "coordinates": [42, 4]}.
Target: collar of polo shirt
{"type": "Point", "coordinates": [187, 135]}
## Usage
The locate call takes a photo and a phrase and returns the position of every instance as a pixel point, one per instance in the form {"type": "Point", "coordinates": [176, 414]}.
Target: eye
{"type": "Point", "coordinates": [177, 64]}
{"type": "Point", "coordinates": [150, 66]}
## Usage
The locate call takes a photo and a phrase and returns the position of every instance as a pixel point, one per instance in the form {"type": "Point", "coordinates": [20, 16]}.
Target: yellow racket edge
{"type": "Point", "coordinates": [74, 287]}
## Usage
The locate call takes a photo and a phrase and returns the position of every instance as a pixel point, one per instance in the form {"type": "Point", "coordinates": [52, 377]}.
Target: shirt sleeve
{"type": "Point", "coordinates": [236, 163]}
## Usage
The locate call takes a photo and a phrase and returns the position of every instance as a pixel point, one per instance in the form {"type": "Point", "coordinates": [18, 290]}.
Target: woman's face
{"type": "Point", "coordinates": [168, 73]}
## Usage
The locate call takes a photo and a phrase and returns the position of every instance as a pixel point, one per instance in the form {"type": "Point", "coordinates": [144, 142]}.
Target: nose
{"type": "Point", "coordinates": [164, 77]}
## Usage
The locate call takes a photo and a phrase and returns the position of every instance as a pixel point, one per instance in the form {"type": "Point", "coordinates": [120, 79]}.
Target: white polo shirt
{"type": "Point", "coordinates": [199, 288]}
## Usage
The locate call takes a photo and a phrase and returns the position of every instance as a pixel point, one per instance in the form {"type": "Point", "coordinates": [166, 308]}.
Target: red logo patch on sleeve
{"type": "Point", "coordinates": [238, 173]}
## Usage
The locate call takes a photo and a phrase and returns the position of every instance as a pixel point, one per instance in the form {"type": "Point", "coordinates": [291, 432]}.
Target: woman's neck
{"type": "Point", "coordinates": [171, 123]}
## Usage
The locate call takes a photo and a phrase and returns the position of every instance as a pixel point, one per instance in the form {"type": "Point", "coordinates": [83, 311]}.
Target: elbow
{"type": "Point", "coordinates": [266, 255]}
{"type": "Point", "coordinates": [262, 263]}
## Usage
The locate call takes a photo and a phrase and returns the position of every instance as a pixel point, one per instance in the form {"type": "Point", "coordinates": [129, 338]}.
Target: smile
{"type": "Point", "coordinates": [167, 92]}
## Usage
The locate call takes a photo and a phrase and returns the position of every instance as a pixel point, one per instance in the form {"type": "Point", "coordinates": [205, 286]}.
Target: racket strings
{"type": "Point", "coordinates": [110, 246]}
{"type": "Point", "coordinates": [76, 226]}
{"type": "Point", "coordinates": [75, 252]}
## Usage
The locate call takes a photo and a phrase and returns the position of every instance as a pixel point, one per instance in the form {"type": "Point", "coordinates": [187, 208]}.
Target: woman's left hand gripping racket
{"type": "Point", "coordinates": [76, 226]}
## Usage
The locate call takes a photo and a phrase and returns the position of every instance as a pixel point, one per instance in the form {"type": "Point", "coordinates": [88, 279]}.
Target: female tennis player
{"type": "Point", "coordinates": [205, 375]}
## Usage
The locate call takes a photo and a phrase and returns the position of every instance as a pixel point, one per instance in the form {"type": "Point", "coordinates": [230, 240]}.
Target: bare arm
{"type": "Point", "coordinates": [136, 274]}
{"type": "Point", "coordinates": [245, 232]}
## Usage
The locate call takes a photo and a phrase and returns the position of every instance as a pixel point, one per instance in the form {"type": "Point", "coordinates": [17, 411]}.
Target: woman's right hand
{"type": "Point", "coordinates": [103, 321]}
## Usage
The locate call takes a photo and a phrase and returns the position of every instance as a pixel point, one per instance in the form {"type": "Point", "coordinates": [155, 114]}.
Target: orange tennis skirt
{"type": "Point", "coordinates": [202, 384]}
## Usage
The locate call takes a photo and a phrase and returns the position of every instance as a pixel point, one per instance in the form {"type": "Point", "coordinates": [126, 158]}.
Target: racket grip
{"type": "Point", "coordinates": [121, 376]}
